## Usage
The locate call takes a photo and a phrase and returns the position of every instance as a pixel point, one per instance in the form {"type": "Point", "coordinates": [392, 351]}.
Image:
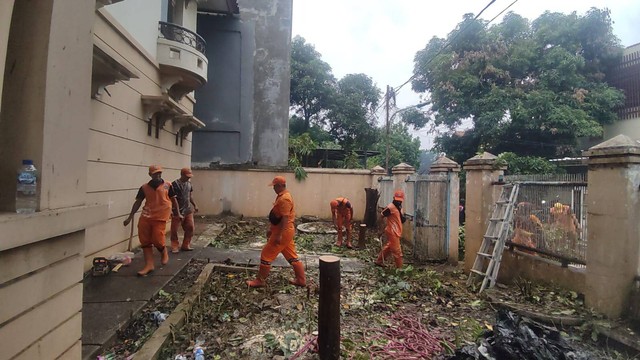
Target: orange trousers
{"type": "Point", "coordinates": [151, 232]}
{"type": "Point", "coordinates": [287, 246]}
{"type": "Point", "coordinates": [346, 221]}
{"type": "Point", "coordinates": [392, 248]}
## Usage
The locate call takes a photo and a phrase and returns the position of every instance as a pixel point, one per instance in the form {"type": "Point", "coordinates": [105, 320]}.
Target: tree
{"type": "Point", "coordinates": [352, 120]}
{"type": "Point", "coordinates": [402, 148]}
{"type": "Point", "coordinates": [532, 88]}
{"type": "Point", "coordinates": [312, 84]}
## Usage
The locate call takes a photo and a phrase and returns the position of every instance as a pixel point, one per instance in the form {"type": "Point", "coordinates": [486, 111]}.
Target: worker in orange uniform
{"type": "Point", "coordinates": [183, 190]}
{"type": "Point", "coordinates": [341, 214]}
{"type": "Point", "coordinates": [159, 199]}
{"type": "Point", "coordinates": [280, 237]}
{"type": "Point", "coordinates": [393, 230]}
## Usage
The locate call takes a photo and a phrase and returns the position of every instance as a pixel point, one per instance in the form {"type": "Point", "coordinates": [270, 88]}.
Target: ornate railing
{"type": "Point", "coordinates": [182, 35]}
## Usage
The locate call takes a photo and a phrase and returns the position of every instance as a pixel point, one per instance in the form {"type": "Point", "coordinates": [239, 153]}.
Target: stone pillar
{"type": "Point", "coordinates": [482, 170]}
{"type": "Point", "coordinates": [400, 173]}
{"type": "Point", "coordinates": [450, 168]}
{"type": "Point", "coordinates": [613, 218]}
{"type": "Point", "coordinates": [376, 173]}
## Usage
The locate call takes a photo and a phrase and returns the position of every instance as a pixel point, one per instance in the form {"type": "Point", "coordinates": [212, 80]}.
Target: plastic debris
{"type": "Point", "coordinates": [198, 353]}
{"type": "Point", "coordinates": [158, 317]}
{"type": "Point", "coordinates": [514, 337]}
{"type": "Point", "coordinates": [180, 357]}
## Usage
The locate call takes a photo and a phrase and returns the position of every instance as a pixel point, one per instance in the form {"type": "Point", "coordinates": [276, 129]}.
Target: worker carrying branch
{"type": "Point", "coordinates": [280, 237]}
{"type": "Point", "coordinates": [393, 230]}
{"type": "Point", "coordinates": [341, 215]}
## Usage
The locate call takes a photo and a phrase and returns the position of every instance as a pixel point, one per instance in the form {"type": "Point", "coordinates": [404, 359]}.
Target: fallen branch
{"type": "Point", "coordinates": [313, 340]}
{"type": "Point", "coordinates": [555, 320]}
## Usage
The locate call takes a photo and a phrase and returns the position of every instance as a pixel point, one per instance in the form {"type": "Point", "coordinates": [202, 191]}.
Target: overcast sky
{"type": "Point", "coordinates": [380, 37]}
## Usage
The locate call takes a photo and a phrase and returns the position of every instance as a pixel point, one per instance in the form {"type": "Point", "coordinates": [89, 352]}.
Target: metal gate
{"type": "Point", "coordinates": [430, 207]}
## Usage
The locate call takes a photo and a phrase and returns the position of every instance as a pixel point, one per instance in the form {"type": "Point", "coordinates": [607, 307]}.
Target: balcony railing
{"type": "Point", "coordinates": [182, 35]}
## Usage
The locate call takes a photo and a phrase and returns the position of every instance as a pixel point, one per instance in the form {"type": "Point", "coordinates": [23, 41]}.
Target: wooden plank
{"type": "Point", "coordinates": [61, 341]}
{"type": "Point", "coordinates": [20, 333]}
{"type": "Point", "coordinates": [29, 291]}
{"type": "Point", "coordinates": [114, 149]}
{"type": "Point", "coordinates": [22, 260]}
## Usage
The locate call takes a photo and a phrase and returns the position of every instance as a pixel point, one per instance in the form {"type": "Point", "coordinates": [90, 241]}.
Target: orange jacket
{"type": "Point", "coordinates": [341, 210]}
{"type": "Point", "coordinates": [157, 205]}
{"type": "Point", "coordinates": [394, 221]}
{"type": "Point", "coordinates": [283, 206]}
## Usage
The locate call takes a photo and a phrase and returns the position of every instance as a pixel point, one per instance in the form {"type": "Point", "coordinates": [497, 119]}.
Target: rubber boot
{"type": "Point", "coordinates": [261, 279]}
{"type": "Point", "coordinates": [398, 261]}
{"type": "Point", "coordinates": [298, 269]}
{"type": "Point", "coordinates": [148, 261]}
{"type": "Point", "coordinates": [165, 256]}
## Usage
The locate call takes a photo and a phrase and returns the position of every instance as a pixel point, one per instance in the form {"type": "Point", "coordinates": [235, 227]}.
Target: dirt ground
{"type": "Point", "coordinates": [413, 313]}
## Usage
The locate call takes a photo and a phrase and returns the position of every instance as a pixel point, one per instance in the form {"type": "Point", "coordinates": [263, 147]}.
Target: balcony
{"type": "Point", "coordinates": [183, 64]}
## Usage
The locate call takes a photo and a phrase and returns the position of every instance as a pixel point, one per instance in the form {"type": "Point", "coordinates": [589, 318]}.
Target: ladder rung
{"type": "Point", "coordinates": [491, 237]}
{"type": "Point", "coordinates": [485, 255]}
{"type": "Point", "coordinates": [496, 219]}
{"type": "Point", "coordinates": [478, 272]}
{"type": "Point", "coordinates": [502, 202]}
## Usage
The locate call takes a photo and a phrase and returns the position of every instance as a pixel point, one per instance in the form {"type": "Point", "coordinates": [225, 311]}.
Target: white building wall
{"type": "Point", "coordinates": [140, 18]}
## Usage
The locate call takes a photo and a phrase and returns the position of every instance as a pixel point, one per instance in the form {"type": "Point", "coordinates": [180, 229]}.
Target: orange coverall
{"type": "Point", "coordinates": [342, 211]}
{"type": "Point", "coordinates": [283, 206]}
{"type": "Point", "coordinates": [393, 231]}
{"type": "Point", "coordinates": [155, 214]}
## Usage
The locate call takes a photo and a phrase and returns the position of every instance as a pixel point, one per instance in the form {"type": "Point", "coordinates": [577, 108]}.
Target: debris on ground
{"type": "Point", "coordinates": [318, 227]}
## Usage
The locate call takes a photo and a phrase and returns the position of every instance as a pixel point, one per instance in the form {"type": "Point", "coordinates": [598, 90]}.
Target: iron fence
{"type": "Point", "coordinates": [550, 217]}
{"type": "Point", "coordinates": [182, 35]}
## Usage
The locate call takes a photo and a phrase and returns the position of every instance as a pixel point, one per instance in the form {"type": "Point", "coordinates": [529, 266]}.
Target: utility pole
{"type": "Point", "coordinates": [387, 95]}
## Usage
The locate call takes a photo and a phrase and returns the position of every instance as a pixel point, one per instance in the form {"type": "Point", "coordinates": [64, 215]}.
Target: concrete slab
{"type": "Point", "coordinates": [242, 258]}
{"type": "Point", "coordinates": [106, 318]}
{"type": "Point", "coordinates": [90, 352]}
{"type": "Point", "coordinates": [175, 265]}
{"type": "Point", "coordinates": [114, 289]}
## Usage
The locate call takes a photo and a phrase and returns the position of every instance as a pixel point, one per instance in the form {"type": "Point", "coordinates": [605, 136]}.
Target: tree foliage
{"type": "Point", "coordinates": [527, 165]}
{"type": "Point", "coordinates": [402, 148]}
{"type": "Point", "coordinates": [312, 84]}
{"type": "Point", "coordinates": [352, 120]}
{"type": "Point", "coordinates": [532, 88]}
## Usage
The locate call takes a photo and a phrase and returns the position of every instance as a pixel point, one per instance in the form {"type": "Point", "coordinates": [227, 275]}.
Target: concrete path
{"type": "Point", "coordinates": [110, 302]}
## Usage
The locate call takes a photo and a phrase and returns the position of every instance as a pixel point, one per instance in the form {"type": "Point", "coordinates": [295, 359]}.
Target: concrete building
{"type": "Point", "coordinates": [93, 92]}
{"type": "Point", "coordinates": [246, 105]}
{"type": "Point", "coordinates": [627, 77]}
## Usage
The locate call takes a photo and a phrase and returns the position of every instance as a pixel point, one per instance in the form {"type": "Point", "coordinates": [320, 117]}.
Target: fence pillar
{"type": "Point", "coordinates": [481, 171]}
{"type": "Point", "coordinates": [451, 169]}
{"type": "Point", "coordinates": [613, 220]}
{"type": "Point", "coordinates": [400, 173]}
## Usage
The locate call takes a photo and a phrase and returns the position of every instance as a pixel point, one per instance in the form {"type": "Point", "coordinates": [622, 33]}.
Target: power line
{"type": "Point", "coordinates": [505, 9]}
{"type": "Point", "coordinates": [455, 36]}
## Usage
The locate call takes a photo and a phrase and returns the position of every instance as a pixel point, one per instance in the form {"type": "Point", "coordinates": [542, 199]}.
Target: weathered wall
{"type": "Point", "coordinates": [517, 265]}
{"type": "Point", "coordinates": [246, 102]}
{"type": "Point", "coordinates": [46, 91]}
{"type": "Point", "coordinates": [120, 149]}
{"type": "Point", "coordinates": [6, 9]}
{"type": "Point", "coordinates": [272, 74]}
{"type": "Point", "coordinates": [246, 191]}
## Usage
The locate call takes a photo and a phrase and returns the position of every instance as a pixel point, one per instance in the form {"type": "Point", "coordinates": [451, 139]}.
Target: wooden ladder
{"type": "Point", "coordinates": [494, 239]}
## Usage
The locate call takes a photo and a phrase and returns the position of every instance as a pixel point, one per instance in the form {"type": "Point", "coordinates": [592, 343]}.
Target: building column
{"type": "Point", "coordinates": [400, 173]}
{"type": "Point", "coordinates": [613, 218]}
{"type": "Point", "coordinates": [451, 169]}
{"type": "Point", "coordinates": [482, 171]}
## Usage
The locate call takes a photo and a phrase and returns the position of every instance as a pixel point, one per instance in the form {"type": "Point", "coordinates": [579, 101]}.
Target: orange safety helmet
{"type": "Point", "coordinates": [398, 195]}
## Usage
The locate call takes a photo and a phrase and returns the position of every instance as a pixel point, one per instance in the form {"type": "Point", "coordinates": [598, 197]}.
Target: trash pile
{"type": "Point", "coordinates": [514, 337]}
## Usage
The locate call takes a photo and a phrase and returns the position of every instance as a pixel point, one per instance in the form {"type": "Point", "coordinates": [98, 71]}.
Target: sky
{"type": "Point", "coordinates": [381, 37]}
